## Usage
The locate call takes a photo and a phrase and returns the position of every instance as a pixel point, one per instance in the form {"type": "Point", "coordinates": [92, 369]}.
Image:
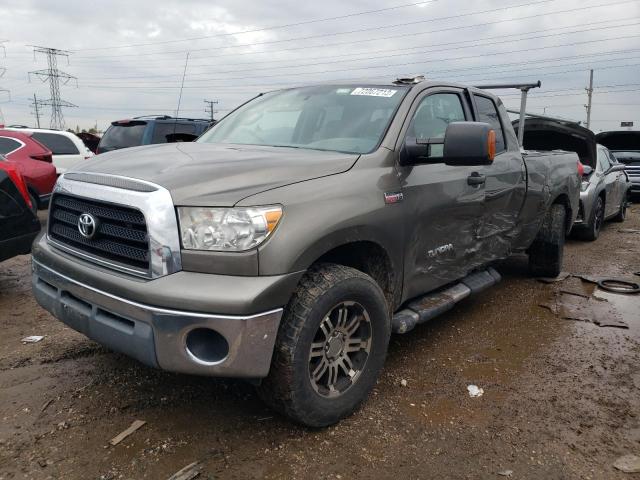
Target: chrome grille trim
{"type": "Point", "coordinates": [157, 210]}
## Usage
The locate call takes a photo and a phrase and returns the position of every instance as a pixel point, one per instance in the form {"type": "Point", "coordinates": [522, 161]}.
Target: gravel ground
{"type": "Point", "coordinates": [560, 396]}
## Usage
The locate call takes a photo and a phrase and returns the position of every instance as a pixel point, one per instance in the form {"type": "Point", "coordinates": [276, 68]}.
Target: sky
{"type": "Point", "coordinates": [129, 57]}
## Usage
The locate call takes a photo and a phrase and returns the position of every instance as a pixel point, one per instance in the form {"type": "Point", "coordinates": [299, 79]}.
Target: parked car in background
{"type": "Point", "coordinates": [603, 195]}
{"type": "Point", "coordinates": [18, 224]}
{"type": "Point", "coordinates": [625, 146]}
{"type": "Point", "coordinates": [67, 148]}
{"type": "Point", "coordinates": [604, 189]}
{"type": "Point", "coordinates": [150, 130]}
{"type": "Point", "coordinates": [34, 162]}
{"type": "Point", "coordinates": [90, 140]}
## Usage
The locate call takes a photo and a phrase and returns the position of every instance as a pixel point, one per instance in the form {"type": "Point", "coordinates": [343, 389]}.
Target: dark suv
{"type": "Point", "coordinates": [149, 130]}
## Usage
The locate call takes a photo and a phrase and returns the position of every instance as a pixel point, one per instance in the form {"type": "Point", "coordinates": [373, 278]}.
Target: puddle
{"type": "Point", "coordinates": [626, 306]}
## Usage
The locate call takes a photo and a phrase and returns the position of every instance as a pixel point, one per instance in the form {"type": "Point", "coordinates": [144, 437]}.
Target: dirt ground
{"type": "Point", "coordinates": [561, 397]}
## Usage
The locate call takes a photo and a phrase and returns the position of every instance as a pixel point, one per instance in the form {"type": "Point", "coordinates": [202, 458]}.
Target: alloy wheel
{"type": "Point", "coordinates": [340, 349]}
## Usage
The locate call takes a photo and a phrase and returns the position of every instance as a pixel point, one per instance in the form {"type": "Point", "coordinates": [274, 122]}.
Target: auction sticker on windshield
{"type": "Point", "coordinates": [374, 92]}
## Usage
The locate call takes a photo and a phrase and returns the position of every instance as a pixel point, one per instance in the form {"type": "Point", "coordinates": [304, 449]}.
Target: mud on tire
{"type": "Point", "coordinates": [290, 387]}
{"type": "Point", "coordinates": [547, 250]}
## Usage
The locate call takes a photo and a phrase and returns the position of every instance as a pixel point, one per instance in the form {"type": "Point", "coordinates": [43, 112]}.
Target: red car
{"type": "Point", "coordinates": [34, 162]}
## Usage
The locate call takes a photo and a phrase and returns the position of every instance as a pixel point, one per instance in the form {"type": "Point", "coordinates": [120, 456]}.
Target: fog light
{"type": "Point", "coordinates": [206, 346]}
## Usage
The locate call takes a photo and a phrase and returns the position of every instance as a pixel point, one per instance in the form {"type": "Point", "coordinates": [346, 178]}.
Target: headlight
{"type": "Point", "coordinates": [226, 229]}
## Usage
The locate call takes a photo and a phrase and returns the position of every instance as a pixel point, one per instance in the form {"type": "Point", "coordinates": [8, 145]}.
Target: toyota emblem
{"type": "Point", "coordinates": [87, 225]}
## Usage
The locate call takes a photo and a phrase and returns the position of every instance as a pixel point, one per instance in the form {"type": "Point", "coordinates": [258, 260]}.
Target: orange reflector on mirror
{"type": "Point", "coordinates": [491, 144]}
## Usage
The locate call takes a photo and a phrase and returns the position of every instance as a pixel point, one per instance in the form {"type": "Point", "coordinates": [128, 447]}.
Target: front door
{"type": "Point", "coordinates": [442, 204]}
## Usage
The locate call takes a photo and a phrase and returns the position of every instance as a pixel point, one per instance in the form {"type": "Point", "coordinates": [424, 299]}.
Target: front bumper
{"type": "Point", "coordinates": [157, 336]}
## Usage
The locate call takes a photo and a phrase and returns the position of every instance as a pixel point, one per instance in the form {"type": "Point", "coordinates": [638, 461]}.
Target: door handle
{"type": "Point", "coordinates": [476, 179]}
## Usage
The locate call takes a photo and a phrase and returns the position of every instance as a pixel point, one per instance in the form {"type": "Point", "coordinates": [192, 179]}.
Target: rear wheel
{"type": "Point", "coordinates": [547, 250]}
{"type": "Point", "coordinates": [592, 230]}
{"type": "Point", "coordinates": [330, 348]}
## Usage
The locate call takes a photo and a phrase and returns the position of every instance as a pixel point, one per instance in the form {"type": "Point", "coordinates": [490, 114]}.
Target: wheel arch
{"type": "Point", "coordinates": [563, 199]}
{"type": "Point", "coordinates": [363, 250]}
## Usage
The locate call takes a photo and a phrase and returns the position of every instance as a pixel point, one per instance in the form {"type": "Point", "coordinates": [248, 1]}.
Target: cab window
{"type": "Point", "coordinates": [488, 113]}
{"type": "Point", "coordinates": [433, 115]}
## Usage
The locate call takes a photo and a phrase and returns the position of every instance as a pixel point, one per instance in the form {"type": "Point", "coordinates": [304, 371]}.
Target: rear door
{"type": "Point", "coordinates": [65, 153]}
{"type": "Point", "coordinates": [623, 178]}
{"type": "Point", "coordinates": [443, 207]}
{"type": "Point", "coordinates": [505, 187]}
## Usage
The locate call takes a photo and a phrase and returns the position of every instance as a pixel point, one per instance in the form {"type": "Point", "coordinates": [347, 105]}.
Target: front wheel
{"type": "Point", "coordinates": [330, 348]}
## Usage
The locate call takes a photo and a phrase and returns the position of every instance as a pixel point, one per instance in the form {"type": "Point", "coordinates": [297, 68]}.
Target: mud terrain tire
{"type": "Point", "coordinates": [291, 387]}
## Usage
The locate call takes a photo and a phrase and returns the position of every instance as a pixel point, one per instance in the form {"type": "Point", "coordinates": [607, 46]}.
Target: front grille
{"type": "Point", "coordinates": [121, 234]}
{"type": "Point", "coordinates": [633, 171]}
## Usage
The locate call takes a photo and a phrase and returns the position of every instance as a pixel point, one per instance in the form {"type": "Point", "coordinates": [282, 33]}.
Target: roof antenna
{"type": "Point", "coordinates": [184, 73]}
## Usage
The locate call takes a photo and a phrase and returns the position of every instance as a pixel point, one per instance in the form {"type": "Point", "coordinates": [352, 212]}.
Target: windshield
{"type": "Point", "coordinates": [122, 135]}
{"type": "Point", "coordinates": [346, 119]}
{"type": "Point", "coordinates": [627, 157]}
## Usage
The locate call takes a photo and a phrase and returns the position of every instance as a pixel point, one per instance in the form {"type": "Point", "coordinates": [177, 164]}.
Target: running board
{"type": "Point", "coordinates": [423, 309]}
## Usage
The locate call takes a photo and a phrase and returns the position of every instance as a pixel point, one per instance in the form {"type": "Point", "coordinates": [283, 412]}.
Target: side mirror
{"type": "Point", "coordinates": [587, 170]}
{"type": "Point", "coordinates": [616, 168]}
{"type": "Point", "coordinates": [469, 143]}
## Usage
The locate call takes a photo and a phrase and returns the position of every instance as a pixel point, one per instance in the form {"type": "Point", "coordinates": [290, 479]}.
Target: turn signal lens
{"type": "Point", "coordinates": [491, 144]}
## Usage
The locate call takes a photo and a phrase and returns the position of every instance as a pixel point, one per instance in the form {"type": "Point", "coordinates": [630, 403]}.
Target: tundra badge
{"type": "Point", "coordinates": [393, 197]}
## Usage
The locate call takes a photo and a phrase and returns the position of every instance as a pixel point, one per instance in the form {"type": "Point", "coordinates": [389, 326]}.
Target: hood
{"type": "Point", "coordinates": [216, 174]}
{"type": "Point", "coordinates": [549, 134]}
{"type": "Point", "coordinates": [624, 140]}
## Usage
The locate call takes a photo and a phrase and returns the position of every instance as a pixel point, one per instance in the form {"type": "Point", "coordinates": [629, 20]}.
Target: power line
{"type": "Point", "coordinates": [367, 29]}
{"type": "Point", "coordinates": [162, 63]}
{"type": "Point", "coordinates": [265, 29]}
{"type": "Point", "coordinates": [387, 65]}
{"type": "Point", "coordinates": [396, 54]}
{"type": "Point", "coordinates": [53, 76]}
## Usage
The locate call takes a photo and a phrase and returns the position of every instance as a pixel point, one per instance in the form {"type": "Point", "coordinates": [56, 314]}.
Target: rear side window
{"type": "Point", "coordinates": [8, 145]}
{"type": "Point", "coordinates": [58, 144]}
{"type": "Point", "coordinates": [488, 113]}
{"type": "Point", "coordinates": [123, 135]}
{"type": "Point", "coordinates": [161, 130]}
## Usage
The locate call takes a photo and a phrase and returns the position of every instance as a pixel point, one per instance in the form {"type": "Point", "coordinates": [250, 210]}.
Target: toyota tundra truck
{"type": "Point", "coordinates": [291, 239]}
